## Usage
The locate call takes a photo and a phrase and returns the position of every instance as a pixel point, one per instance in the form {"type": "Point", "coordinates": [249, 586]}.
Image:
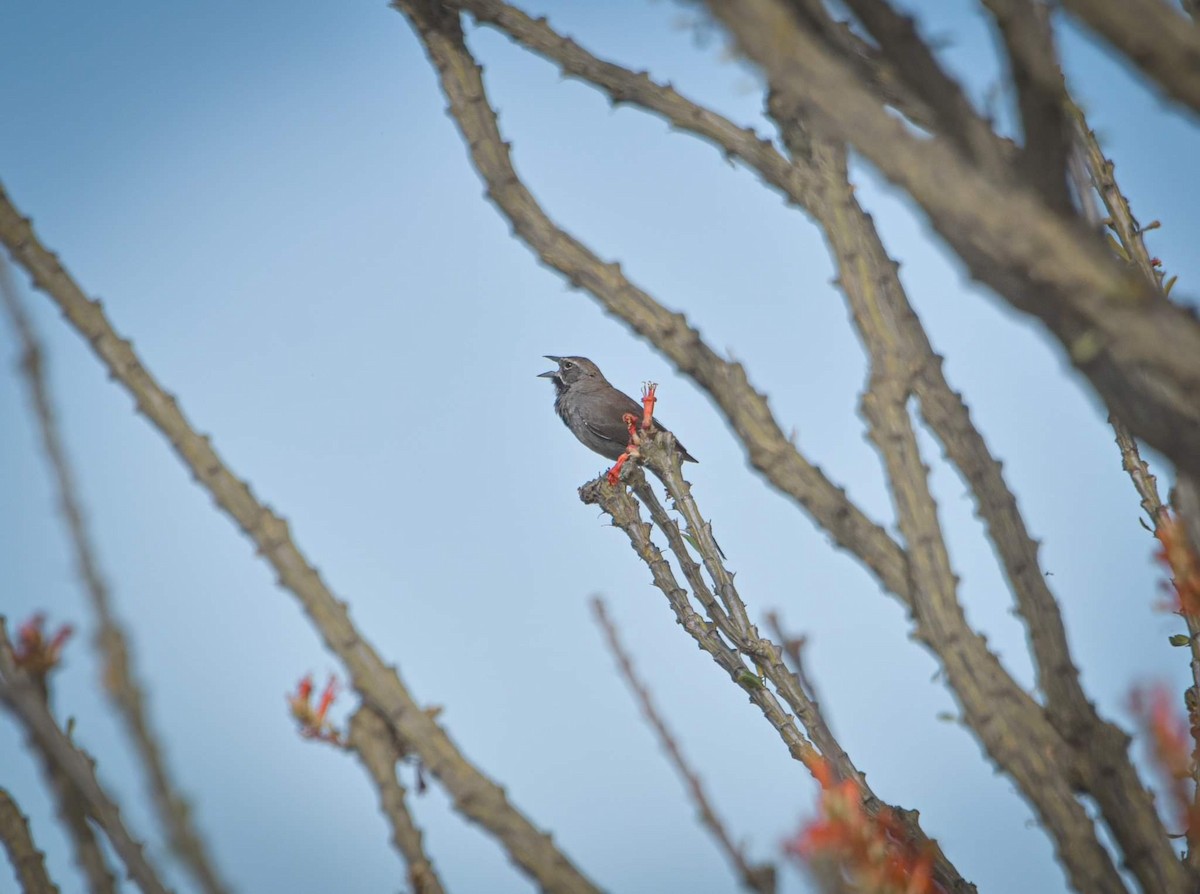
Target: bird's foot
{"type": "Point", "coordinates": [648, 401]}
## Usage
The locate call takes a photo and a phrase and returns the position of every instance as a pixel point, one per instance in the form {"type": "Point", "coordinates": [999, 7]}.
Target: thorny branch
{"type": "Point", "coordinates": [24, 699]}
{"type": "Point", "coordinates": [808, 185]}
{"type": "Point", "coordinates": [1100, 747]}
{"type": "Point", "coordinates": [769, 450]}
{"type": "Point", "coordinates": [914, 62]}
{"type": "Point", "coordinates": [120, 680]}
{"type": "Point", "coordinates": [621, 507]}
{"type": "Point", "coordinates": [372, 740]}
{"type": "Point", "coordinates": [1154, 37]}
{"type": "Point", "coordinates": [1097, 179]}
{"type": "Point", "coordinates": [942, 404]}
{"type": "Point", "coordinates": [726, 639]}
{"type": "Point", "coordinates": [1033, 67]}
{"type": "Point", "coordinates": [1130, 245]}
{"type": "Point", "coordinates": [468, 104]}
{"type": "Point", "coordinates": [623, 86]}
{"type": "Point", "coordinates": [754, 877]}
{"type": "Point", "coordinates": [1005, 719]}
{"type": "Point", "coordinates": [27, 861]}
{"type": "Point", "coordinates": [816, 724]}
{"type": "Point", "coordinates": [1140, 351]}
{"type": "Point", "coordinates": [89, 856]}
{"type": "Point", "coordinates": [475, 795]}
{"type": "Point", "coordinates": [38, 653]}
{"type": "Point", "coordinates": [1107, 320]}
{"type": "Point", "coordinates": [893, 334]}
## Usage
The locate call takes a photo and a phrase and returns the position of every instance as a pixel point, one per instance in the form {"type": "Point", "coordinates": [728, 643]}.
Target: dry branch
{"type": "Point", "coordinates": [870, 280]}
{"type": "Point", "coordinates": [754, 877]}
{"type": "Point", "coordinates": [88, 855]}
{"type": "Point", "coordinates": [810, 187]}
{"type": "Point", "coordinates": [768, 448]}
{"type": "Point", "coordinates": [1121, 220]}
{"type": "Point", "coordinates": [638, 89]}
{"type": "Point", "coordinates": [1008, 723]}
{"type": "Point", "coordinates": [1153, 36]}
{"type": "Point", "coordinates": [914, 62]}
{"type": "Point", "coordinates": [1141, 353]}
{"type": "Point", "coordinates": [27, 861]}
{"type": "Point", "coordinates": [622, 508]}
{"type": "Point", "coordinates": [1033, 67]}
{"type": "Point", "coordinates": [463, 86]}
{"type": "Point", "coordinates": [887, 321]}
{"type": "Point", "coordinates": [71, 811]}
{"type": "Point", "coordinates": [1097, 180]}
{"type": "Point", "coordinates": [475, 795]}
{"type": "Point", "coordinates": [869, 64]}
{"type": "Point", "coordinates": [731, 635]}
{"type": "Point", "coordinates": [377, 749]}
{"type": "Point", "coordinates": [25, 700]}
{"type": "Point", "coordinates": [816, 724]}
{"type": "Point", "coordinates": [120, 681]}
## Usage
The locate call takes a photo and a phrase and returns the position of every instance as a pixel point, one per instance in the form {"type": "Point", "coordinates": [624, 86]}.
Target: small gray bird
{"type": "Point", "coordinates": [593, 409]}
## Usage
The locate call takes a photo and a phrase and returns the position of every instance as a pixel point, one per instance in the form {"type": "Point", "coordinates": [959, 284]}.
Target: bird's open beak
{"type": "Point", "coordinates": [552, 373]}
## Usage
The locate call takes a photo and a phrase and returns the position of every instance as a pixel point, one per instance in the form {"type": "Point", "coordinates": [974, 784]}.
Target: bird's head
{"type": "Point", "coordinates": [571, 370]}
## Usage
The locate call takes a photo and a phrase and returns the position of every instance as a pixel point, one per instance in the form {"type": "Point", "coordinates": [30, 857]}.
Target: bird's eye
{"type": "Point", "coordinates": [567, 364]}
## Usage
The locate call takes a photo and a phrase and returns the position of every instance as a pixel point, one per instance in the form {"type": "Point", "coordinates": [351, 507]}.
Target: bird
{"type": "Point", "coordinates": [593, 409]}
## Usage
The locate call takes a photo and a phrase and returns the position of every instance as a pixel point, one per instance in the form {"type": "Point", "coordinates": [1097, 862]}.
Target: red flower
{"type": "Point", "coordinates": [648, 400]}
{"type": "Point", "coordinates": [1177, 555]}
{"type": "Point", "coordinates": [874, 850]}
{"type": "Point", "coordinates": [1171, 745]}
{"type": "Point", "coordinates": [313, 724]}
{"type": "Point", "coordinates": [36, 654]}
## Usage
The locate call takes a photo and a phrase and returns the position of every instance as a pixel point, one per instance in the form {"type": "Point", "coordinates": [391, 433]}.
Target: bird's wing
{"type": "Point", "coordinates": [603, 415]}
{"type": "Point", "coordinates": [607, 431]}
{"type": "Point", "coordinates": [618, 434]}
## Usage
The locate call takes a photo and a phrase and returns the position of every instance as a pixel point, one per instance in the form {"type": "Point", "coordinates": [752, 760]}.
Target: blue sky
{"type": "Point", "coordinates": [276, 209]}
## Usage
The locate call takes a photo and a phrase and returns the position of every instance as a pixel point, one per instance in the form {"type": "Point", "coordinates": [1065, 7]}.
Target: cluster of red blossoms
{"type": "Point", "coordinates": [1171, 740]}
{"type": "Point", "coordinates": [632, 423]}
{"type": "Point", "coordinates": [1181, 560]}
{"type": "Point", "coordinates": [874, 851]}
{"type": "Point", "coordinates": [1171, 747]}
{"type": "Point", "coordinates": [313, 724]}
{"type": "Point", "coordinates": [35, 652]}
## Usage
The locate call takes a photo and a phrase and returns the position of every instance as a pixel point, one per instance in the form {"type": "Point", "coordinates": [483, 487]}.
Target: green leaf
{"type": "Point", "coordinates": [1180, 639]}
{"type": "Point", "coordinates": [749, 680]}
